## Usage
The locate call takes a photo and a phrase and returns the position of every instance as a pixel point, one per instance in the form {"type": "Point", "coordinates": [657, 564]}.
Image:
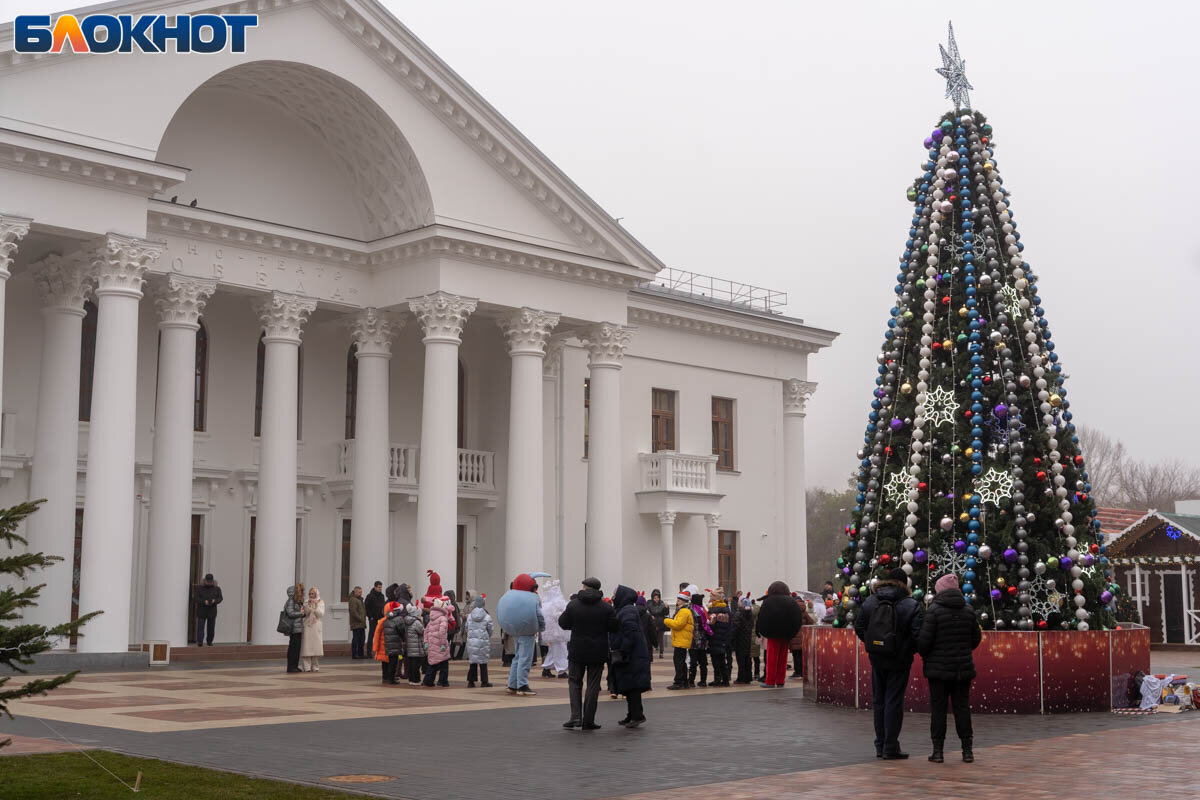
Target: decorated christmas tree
{"type": "Point", "coordinates": [971, 463]}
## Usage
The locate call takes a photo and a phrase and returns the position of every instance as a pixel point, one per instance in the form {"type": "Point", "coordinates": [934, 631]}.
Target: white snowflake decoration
{"type": "Point", "coordinates": [895, 491]}
{"type": "Point", "coordinates": [939, 407]}
{"type": "Point", "coordinates": [950, 561]}
{"type": "Point", "coordinates": [1011, 302]}
{"type": "Point", "coordinates": [1043, 602]}
{"type": "Point", "coordinates": [994, 485]}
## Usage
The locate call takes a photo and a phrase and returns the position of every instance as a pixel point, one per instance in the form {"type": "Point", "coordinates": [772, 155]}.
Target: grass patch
{"type": "Point", "coordinates": [57, 776]}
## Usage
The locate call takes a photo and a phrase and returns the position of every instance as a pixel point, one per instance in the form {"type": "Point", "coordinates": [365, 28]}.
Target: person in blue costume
{"type": "Point", "coordinates": [520, 614]}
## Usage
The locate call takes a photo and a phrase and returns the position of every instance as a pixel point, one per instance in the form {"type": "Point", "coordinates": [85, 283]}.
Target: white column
{"type": "Point", "coordinates": [12, 230]}
{"type": "Point", "coordinates": [370, 554]}
{"type": "Point", "coordinates": [442, 317]}
{"type": "Point", "coordinates": [526, 331]}
{"type": "Point", "coordinates": [795, 528]}
{"type": "Point", "coordinates": [180, 302]}
{"type": "Point", "coordinates": [552, 455]}
{"type": "Point", "coordinates": [64, 284]}
{"type": "Point", "coordinates": [666, 525]}
{"type": "Point", "coordinates": [106, 556]}
{"type": "Point", "coordinates": [603, 550]}
{"type": "Point", "coordinates": [282, 316]}
{"type": "Point", "coordinates": [713, 521]}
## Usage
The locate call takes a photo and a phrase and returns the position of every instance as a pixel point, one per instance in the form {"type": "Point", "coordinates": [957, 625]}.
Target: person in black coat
{"type": "Point", "coordinates": [778, 620]}
{"type": "Point", "coordinates": [722, 636]}
{"type": "Point", "coordinates": [631, 656]}
{"type": "Point", "coordinates": [889, 672]}
{"type": "Point", "coordinates": [742, 636]}
{"type": "Point", "coordinates": [374, 601]}
{"type": "Point", "coordinates": [207, 597]}
{"type": "Point", "coordinates": [590, 620]}
{"type": "Point", "coordinates": [948, 636]}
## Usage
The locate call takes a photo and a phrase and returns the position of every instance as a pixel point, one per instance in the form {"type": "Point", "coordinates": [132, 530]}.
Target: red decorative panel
{"type": "Point", "coordinates": [1130, 654]}
{"type": "Point", "coordinates": [1006, 673]}
{"type": "Point", "coordinates": [1075, 674]}
{"type": "Point", "coordinates": [836, 648]}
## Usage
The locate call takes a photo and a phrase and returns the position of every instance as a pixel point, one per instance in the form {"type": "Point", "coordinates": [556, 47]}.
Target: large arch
{"type": "Point", "coordinates": [293, 144]}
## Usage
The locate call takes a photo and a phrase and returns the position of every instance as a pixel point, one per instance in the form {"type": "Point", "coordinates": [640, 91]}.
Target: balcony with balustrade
{"type": "Point", "coordinates": [678, 482]}
{"type": "Point", "coordinates": [476, 472]}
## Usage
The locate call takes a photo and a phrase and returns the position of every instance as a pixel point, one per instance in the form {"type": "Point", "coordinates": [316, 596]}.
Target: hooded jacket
{"type": "Point", "coordinates": [379, 645]}
{"type": "Point", "coordinates": [294, 611]}
{"type": "Point", "coordinates": [374, 602]}
{"type": "Point", "coordinates": [393, 632]}
{"type": "Point", "coordinates": [313, 642]}
{"type": "Point", "coordinates": [207, 598]}
{"type": "Point", "coordinates": [909, 617]}
{"type": "Point", "coordinates": [658, 611]}
{"type": "Point", "coordinates": [949, 633]}
{"type": "Point", "coordinates": [633, 673]}
{"type": "Point", "coordinates": [742, 633]}
{"type": "Point", "coordinates": [719, 619]}
{"type": "Point", "coordinates": [779, 617]}
{"type": "Point", "coordinates": [590, 620]}
{"type": "Point", "coordinates": [681, 626]}
{"type": "Point", "coordinates": [437, 641]}
{"type": "Point", "coordinates": [414, 632]}
{"type": "Point", "coordinates": [479, 635]}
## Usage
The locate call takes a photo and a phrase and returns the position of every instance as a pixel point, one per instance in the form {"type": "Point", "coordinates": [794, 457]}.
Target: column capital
{"type": "Point", "coordinates": [527, 330]}
{"type": "Point", "coordinates": [283, 315]}
{"type": "Point", "coordinates": [795, 396]}
{"type": "Point", "coordinates": [373, 331]}
{"type": "Point", "coordinates": [181, 299]}
{"type": "Point", "coordinates": [606, 344]}
{"type": "Point", "coordinates": [442, 315]}
{"type": "Point", "coordinates": [552, 364]}
{"type": "Point", "coordinates": [120, 264]}
{"type": "Point", "coordinates": [712, 520]}
{"type": "Point", "coordinates": [12, 231]}
{"type": "Point", "coordinates": [63, 281]}
{"type": "Point", "coordinates": [666, 517]}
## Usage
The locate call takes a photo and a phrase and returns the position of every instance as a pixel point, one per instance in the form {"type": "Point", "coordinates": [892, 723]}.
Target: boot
{"type": "Point", "coordinates": [937, 757]}
{"type": "Point", "coordinates": [968, 753]}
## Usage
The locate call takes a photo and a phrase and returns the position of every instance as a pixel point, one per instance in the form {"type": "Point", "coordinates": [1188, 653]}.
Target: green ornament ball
{"type": "Point", "coordinates": [908, 315]}
{"type": "Point", "coordinates": [987, 129]}
{"type": "Point", "coordinates": [947, 126]}
{"type": "Point", "coordinates": [962, 337]}
{"type": "Point", "coordinates": [920, 283]}
{"type": "Point", "coordinates": [837, 623]}
{"type": "Point", "coordinates": [911, 194]}
{"type": "Point", "coordinates": [918, 594]}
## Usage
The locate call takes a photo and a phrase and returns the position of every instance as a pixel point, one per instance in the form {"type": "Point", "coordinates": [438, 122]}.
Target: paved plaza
{"type": "Point", "coordinates": [744, 742]}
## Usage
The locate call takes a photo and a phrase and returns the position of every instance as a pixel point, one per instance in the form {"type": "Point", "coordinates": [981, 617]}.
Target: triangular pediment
{"type": "Point", "coordinates": [580, 222]}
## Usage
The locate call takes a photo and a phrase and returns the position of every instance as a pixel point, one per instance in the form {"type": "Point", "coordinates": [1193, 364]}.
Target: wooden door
{"type": "Point", "coordinates": [1173, 606]}
{"type": "Point", "coordinates": [195, 574]}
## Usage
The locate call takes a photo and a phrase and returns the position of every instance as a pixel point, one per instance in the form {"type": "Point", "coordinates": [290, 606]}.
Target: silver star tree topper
{"type": "Point", "coordinates": [954, 70]}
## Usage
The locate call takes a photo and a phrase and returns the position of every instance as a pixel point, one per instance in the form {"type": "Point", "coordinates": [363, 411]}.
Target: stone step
{"type": "Point", "coordinates": [246, 652]}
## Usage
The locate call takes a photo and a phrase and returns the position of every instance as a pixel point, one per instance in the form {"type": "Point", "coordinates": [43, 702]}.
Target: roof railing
{"type": "Point", "coordinates": [720, 290]}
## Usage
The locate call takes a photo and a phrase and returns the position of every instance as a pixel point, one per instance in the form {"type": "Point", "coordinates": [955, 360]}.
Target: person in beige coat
{"type": "Point", "coordinates": [312, 644]}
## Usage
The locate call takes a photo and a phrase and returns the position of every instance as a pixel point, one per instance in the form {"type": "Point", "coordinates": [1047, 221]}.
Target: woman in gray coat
{"type": "Point", "coordinates": [479, 643]}
{"type": "Point", "coordinates": [414, 643]}
{"type": "Point", "coordinates": [293, 609]}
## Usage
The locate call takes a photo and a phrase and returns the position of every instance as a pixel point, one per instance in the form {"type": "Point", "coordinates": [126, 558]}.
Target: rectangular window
{"type": "Point", "coordinates": [727, 561]}
{"type": "Point", "coordinates": [722, 432]}
{"type": "Point", "coordinates": [345, 581]}
{"type": "Point", "coordinates": [662, 420]}
{"type": "Point", "coordinates": [587, 413]}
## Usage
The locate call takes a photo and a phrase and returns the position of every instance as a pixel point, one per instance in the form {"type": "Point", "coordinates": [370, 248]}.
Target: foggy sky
{"type": "Point", "coordinates": [772, 142]}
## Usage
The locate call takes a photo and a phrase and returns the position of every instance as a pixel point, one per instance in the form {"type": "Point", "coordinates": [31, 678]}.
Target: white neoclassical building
{"type": "Point", "coordinates": [317, 311]}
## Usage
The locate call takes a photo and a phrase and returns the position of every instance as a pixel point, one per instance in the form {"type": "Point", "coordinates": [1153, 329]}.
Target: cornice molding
{"type": "Point", "coordinates": [663, 319]}
{"type": "Point", "coordinates": [88, 165]}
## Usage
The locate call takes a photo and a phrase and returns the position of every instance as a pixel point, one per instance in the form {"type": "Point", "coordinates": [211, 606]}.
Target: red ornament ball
{"type": "Point", "coordinates": [1041, 624]}
{"type": "Point", "coordinates": [1012, 591]}
{"type": "Point", "coordinates": [1094, 548]}
{"type": "Point", "coordinates": [922, 486]}
{"type": "Point", "coordinates": [1041, 475]}
{"type": "Point", "coordinates": [886, 558]}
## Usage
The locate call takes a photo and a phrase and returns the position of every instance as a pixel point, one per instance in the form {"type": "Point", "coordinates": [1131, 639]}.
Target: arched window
{"type": "Point", "coordinates": [462, 406]}
{"type": "Point", "coordinates": [351, 391]}
{"type": "Point", "coordinates": [260, 369]}
{"type": "Point", "coordinates": [87, 360]}
{"type": "Point", "coordinates": [200, 391]}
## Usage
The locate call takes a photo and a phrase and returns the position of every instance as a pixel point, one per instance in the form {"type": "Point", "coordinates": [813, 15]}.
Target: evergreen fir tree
{"type": "Point", "coordinates": [971, 462]}
{"type": "Point", "coordinates": [20, 643]}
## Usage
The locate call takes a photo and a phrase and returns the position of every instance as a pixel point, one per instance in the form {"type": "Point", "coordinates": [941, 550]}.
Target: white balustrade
{"type": "Point", "coordinates": [678, 472]}
{"type": "Point", "coordinates": [475, 467]}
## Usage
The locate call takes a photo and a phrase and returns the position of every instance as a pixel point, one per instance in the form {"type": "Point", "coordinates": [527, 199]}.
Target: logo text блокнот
{"type": "Point", "coordinates": [124, 33]}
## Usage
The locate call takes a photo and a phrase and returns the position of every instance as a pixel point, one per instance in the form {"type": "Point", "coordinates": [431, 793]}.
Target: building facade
{"type": "Point", "coordinates": [1156, 561]}
{"type": "Point", "coordinates": [320, 313]}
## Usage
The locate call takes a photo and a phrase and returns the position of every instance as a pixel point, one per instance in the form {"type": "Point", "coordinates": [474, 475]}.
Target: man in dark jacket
{"type": "Point", "coordinates": [374, 604]}
{"type": "Point", "coordinates": [590, 620]}
{"type": "Point", "coordinates": [948, 636]}
{"type": "Point", "coordinates": [889, 670]}
{"type": "Point", "coordinates": [207, 598]}
{"type": "Point", "coordinates": [357, 612]}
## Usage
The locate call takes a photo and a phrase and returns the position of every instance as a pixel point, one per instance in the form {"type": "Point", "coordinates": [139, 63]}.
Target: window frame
{"type": "Point", "coordinates": [726, 457]}
{"type": "Point", "coordinates": [664, 420]}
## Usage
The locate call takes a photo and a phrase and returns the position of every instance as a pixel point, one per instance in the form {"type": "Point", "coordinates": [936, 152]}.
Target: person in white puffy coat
{"type": "Point", "coordinates": [479, 643]}
{"type": "Point", "coordinates": [554, 637]}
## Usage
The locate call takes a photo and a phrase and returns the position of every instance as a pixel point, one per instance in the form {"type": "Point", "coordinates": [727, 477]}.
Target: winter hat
{"type": "Point", "coordinates": [947, 581]}
{"type": "Point", "coordinates": [479, 601]}
{"type": "Point", "coordinates": [684, 596]}
{"type": "Point", "coordinates": [779, 587]}
{"type": "Point", "coordinates": [898, 575]}
{"type": "Point", "coordinates": [641, 600]}
{"type": "Point", "coordinates": [435, 584]}
{"type": "Point", "coordinates": [692, 589]}
{"type": "Point", "coordinates": [716, 595]}
{"type": "Point", "coordinates": [592, 583]}
{"type": "Point", "coordinates": [697, 599]}
{"type": "Point", "coordinates": [392, 593]}
{"type": "Point", "coordinates": [404, 594]}
{"type": "Point", "coordinates": [208, 578]}
{"type": "Point", "coordinates": [524, 583]}
{"type": "Point", "coordinates": [746, 601]}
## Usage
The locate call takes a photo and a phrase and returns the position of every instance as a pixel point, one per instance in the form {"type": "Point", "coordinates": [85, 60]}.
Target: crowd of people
{"type": "Point", "coordinates": [589, 635]}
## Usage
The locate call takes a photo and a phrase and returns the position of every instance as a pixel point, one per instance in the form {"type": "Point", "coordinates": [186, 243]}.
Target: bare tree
{"type": "Point", "coordinates": [1105, 460]}
{"type": "Point", "coordinates": [1159, 485]}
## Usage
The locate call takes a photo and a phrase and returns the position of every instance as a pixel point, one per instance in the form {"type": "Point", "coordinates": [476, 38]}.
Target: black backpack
{"type": "Point", "coordinates": [882, 637]}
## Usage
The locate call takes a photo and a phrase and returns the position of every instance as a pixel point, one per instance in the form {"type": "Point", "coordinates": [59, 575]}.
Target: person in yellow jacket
{"type": "Point", "coordinates": [681, 626]}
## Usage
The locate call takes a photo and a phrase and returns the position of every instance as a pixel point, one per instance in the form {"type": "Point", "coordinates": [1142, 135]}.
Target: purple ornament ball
{"type": "Point", "coordinates": [995, 594]}
{"type": "Point", "coordinates": [960, 546]}
{"type": "Point", "coordinates": [896, 423]}
{"type": "Point", "coordinates": [1010, 555]}
{"type": "Point", "coordinates": [1065, 563]}
{"type": "Point", "coordinates": [928, 141]}
{"type": "Point", "coordinates": [1000, 410]}
{"type": "Point", "coordinates": [845, 570]}
{"type": "Point", "coordinates": [1106, 597]}
{"type": "Point", "coordinates": [937, 134]}
{"type": "Point", "coordinates": [920, 556]}
{"type": "Point", "coordinates": [1088, 560]}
